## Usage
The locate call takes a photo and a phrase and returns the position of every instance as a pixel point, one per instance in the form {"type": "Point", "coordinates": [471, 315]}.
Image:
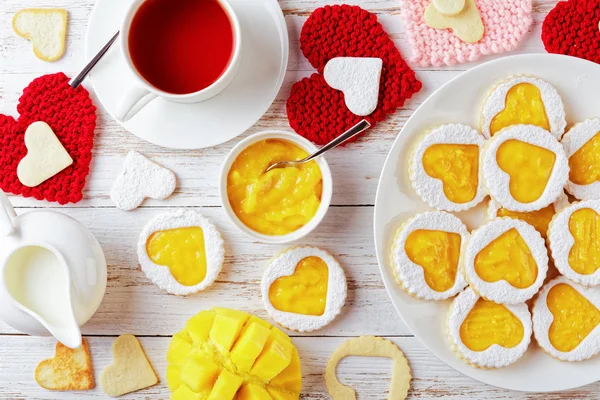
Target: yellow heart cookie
{"type": "Point", "coordinates": [45, 28]}
{"type": "Point", "coordinates": [457, 166]}
{"type": "Point", "coordinates": [45, 157]}
{"type": "Point", "coordinates": [70, 369]}
{"type": "Point", "coordinates": [523, 105]}
{"type": "Point", "coordinates": [304, 292]}
{"type": "Point", "coordinates": [467, 24]}
{"type": "Point", "coordinates": [131, 371]}
{"type": "Point", "coordinates": [182, 251]}
{"type": "Point", "coordinates": [369, 346]}
{"type": "Point", "coordinates": [507, 258]}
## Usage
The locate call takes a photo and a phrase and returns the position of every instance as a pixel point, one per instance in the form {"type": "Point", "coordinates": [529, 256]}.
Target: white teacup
{"type": "Point", "coordinates": [143, 92]}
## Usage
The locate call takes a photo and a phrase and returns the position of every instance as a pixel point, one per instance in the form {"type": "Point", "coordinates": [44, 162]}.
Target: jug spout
{"type": "Point", "coordinates": [70, 336]}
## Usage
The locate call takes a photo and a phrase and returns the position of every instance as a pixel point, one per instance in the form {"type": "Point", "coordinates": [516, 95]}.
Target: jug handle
{"type": "Point", "coordinates": [7, 214]}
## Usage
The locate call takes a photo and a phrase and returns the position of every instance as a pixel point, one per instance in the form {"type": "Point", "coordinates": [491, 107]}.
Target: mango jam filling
{"type": "Point", "coordinates": [280, 201]}
{"type": "Point", "coordinates": [575, 317]}
{"type": "Point", "coordinates": [182, 251]}
{"type": "Point", "coordinates": [227, 354]}
{"type": "Point", "coordinates": [489, 323]}
{"type": "Point", "coordinates": [529, 167]}
{"type": "Point", "coordinates": [523, 105]}
{"type": "Point", "coordinates": [457, 166]}
{"type": "Point", "coordinates": [585, 162]}
{"type": "Point", "coordinates": [507, 258]}
{"type": "Point", "coordinates": [584, 226]}
{"type": "Point", "coordinates": [437, 252]}
{"type": "Point", "coordinates": [304, 292]}
{"type": "Point", "coordinates": [539, 219]}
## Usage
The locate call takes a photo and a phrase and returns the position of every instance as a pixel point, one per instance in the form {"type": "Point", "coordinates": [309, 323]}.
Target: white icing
{"type": "Point", "coordinates": [411, 275]}
{"type": "Point", "coordinates": [496, 102]}
{"type": "Point", "coordinates": [574, 140]}
{"type": "Point", "coordinates": [498, 181]}
{"type": "Point", "coordinates": [431, 190]}
{"type": "Point", "coordinates": [503, 292]}
{"type": "Point", "coordinates": [359, 79]}
{"type": "Point", "coordinates": [213, 245]}
{"type": "Point", "coordinates": [561, 241]}
{"type": "Point", "coordinates": [543, 319]}
{"type": "Point", "coordinates": [285, 264]}
{"type": "Point", "coordinates": [494, 206]}
{"type": "Point", "coordinates": [495, 356]}
{"type": "Point", "coordinates": [141, 179]}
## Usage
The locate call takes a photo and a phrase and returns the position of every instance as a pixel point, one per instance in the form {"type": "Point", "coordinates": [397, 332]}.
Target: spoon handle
{"type": "Point", "coordinates": [344, 137]}
{"type": "Point", "coordinates": [75, 82]}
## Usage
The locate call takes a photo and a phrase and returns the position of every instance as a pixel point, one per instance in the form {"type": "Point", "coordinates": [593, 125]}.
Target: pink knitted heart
{"type": "Point", "coordinates": [505, 22]}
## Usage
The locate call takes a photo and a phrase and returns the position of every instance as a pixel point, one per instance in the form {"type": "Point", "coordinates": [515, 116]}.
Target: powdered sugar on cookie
{"type": "Point", "coordinates": [411, 275]}
{"type": "Point", "coordinates": [285, 265]}
{"type": "Point", "coordinates": [553, 105]}
{"type": "Point", "coordinates": [491, 270]}
{"type": "Point", "coordinates": [161, 275]}
{"type": "Point", "coordinates": [432, 189]}
{"type": "Point", "coordinates": [580, 144]}
{"type": "Point", "coordinates": [498, 177]}
{"type": "Point", "coordinates": [495, 356]}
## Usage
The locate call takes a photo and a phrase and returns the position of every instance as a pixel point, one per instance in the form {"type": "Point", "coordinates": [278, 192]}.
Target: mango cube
{"type": "Point", "coordinates": [179, 349]}
{"type": "Point", "coordinates": [250, 391]}
{"type": "Point", "coordinates": [226, 386]}
{"type": "Point", "coordinates": [199, 373]}
{"type": "Point", "coordinates": [255, 320]}
{"type": "Point", "coordinates": [291, 377]}
{"type": "Point", "coordinates": [199, 326]}
{"type": "Point", "coordinates": [185, 393]}
{"type": "Point", "coordinates": [227, 327]}
{"type": "Point", "coordinates": [249, 346]}
{"type": "Point", "coordinates": [275, 357]}
{"type": "Point", "coordinates": [173, 377]}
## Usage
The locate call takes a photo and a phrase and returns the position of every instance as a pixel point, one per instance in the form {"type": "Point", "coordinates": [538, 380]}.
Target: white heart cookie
{"type": "Point", "coordinates": [46, 28]}
{"type": "Point", "coordinates": [45, 157]}
{"type": "Point", "coordinates": [141, 179]}
{"type": "Point", "coordinates": [359, 80]}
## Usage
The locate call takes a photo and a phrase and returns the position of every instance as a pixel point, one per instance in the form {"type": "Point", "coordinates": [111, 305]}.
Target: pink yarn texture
{"type": "Point", "coordinates": [505, 22]}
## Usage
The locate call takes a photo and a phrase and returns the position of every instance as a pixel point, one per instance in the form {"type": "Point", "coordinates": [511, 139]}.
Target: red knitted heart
{"type": "Point", "coordinates": [317, 111]}
{"type": "Point", "coordinates": [71, 115]}
{"type": "Point", "coordinates": [571, 28]}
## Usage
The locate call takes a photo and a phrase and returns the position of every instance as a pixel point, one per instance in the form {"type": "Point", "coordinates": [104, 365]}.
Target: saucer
{"type": "Point", "coordinates": [212, 122]}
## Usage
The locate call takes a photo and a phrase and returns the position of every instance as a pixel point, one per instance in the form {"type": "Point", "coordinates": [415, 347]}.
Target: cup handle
{"type": "Point", "coordinates": [7, 214]}
{"type": "Point", "coordinates": [133, 102]}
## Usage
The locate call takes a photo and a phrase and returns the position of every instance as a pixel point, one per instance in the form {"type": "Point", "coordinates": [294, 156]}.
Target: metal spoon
{"type": "Point", "coordinates": [349, 134]}
{"type": "Point", "coordinates": [75, 82]}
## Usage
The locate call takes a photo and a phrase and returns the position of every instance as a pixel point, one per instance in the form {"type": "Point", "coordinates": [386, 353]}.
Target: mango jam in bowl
{"type": "Point", "coordinates": [284, 204]}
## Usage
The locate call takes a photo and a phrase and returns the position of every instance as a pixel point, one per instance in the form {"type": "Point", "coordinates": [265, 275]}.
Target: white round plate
{"type": "Point", "coordinates": [459, 101]}
{"type": "Point", "coordinates": [212, 122]}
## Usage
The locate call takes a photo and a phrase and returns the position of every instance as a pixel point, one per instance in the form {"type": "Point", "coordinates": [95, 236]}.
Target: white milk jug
{"type": "Point", "coordinates": [52, 273]}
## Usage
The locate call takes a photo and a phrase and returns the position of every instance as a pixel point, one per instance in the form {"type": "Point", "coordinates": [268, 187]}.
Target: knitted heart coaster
{"type": "Point", "coordinates": [571, 28]}
{"type": "Point", "coordinates": [71, 115]}
{"type": "Point", "coordinates": [505, 22]}
{"type": "Point", "coordinates": [317, 111]}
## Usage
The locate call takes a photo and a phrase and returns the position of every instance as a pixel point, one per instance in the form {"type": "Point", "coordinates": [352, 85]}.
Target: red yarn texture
{"type": "Point", "coordinates": [317, 111]}
{"type": "Point", "coordinates": [71, 115]}
{"type": "Point", "coordinates": [571, 28]}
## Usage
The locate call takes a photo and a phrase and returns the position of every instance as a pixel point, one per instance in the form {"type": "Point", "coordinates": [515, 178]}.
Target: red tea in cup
{"type": "Point", "coordinates": [181, 46]}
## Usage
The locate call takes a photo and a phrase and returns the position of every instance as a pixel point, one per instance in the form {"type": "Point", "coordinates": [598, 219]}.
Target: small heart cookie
{"type": "Point", "coordinates": [45, 157]}
{"type": "Point", "coordinates": [70, 369]}
{"type": "Point", "coordinates": [131, 371]}
{"type": "Point", "coordinates": [359, 80]}
{"type": "Point", "coordinates": [141, 179]}
{"type": "Point", "coordinates": [465, 21]}
{"type": "Point", "coordinates": [45, 28]}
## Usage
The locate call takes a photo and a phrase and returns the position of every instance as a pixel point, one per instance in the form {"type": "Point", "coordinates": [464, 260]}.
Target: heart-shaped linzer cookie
{"type": "Point", "coordinates": [488, 324]}
{"type": "Point", "coordinates": [571, 28]}
{"type": "Point", "coordinates": [523, 105]}
{"type": "Point", "coordinates": [317, 111]}
{"type": "Point", "coordinates": [457, 166]}
{"type": "Point", "coordinates": [70, 369]}
{"type": "Point", "coordinates": [72, 116]}
{"type": "Point", "coordinates": [131, 371]}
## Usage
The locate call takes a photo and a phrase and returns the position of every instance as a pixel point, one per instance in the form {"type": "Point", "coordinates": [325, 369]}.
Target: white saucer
{"type": "Point", "coordinates": [212, 122]}
{"type": "Point", "coordinates": [459, 101]}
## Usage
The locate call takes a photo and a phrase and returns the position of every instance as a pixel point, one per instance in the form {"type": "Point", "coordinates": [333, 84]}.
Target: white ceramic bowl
{"type": "Point", "coordinates": [325, 197]}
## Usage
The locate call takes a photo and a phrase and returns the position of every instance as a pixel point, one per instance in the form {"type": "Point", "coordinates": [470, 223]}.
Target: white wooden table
{"type": "Point", "coordinates": [134, 305]}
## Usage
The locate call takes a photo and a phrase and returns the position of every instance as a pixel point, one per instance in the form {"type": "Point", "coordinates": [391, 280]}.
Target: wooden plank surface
{"type": "Point", "coordinates": [134, 305]}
